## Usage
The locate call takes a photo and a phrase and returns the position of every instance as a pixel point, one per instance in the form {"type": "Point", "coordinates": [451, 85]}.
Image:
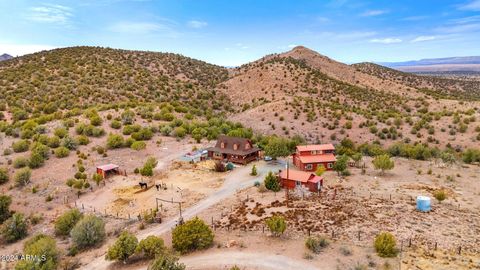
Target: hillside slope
{"type": "Point", "coordinates": [303, 92]}
{"type": "Point", "coordinates": [442, 87]}
{"type": "Point", "coordinates": [84, 76]}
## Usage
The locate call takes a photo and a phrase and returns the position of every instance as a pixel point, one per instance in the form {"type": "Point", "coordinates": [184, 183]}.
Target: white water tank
{"type": "Point", "coordinates": [423, 204]}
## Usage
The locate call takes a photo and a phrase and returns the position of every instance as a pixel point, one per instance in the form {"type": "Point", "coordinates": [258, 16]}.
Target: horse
{"type": "Point", "coordinates": [143, 184]}
{"type": "Point", "coordinates": [158, 186]}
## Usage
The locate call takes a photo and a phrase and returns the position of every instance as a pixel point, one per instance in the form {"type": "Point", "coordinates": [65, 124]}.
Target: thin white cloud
{"type": "Point", "coordinates": [196, 24]}
{"type": "Point", "coordinates": [460, 28]}
{"type": "Point", "coordinates": [242, 46]}
{"type": "Point", "coordinates": [423, 38]}
{"type": "Point", "coordinates": [414, 18]}
{"type": "Point", "coordinates": [138, 27]}
{"type": "Point", "coordinates": [49, 13]}
{"type": "Point", "coordinates": [371, 13]}
{"type": "Point", "coordinates": [292, 45]}
{"type": "Point", "coordinates": [471, 5]}
{"type": "Point", "coordinates": [22, 49]}
{"type": "Point", "coordinates": [386, 40]}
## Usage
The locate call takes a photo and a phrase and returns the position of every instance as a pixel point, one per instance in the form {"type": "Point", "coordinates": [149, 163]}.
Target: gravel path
{"type": "Point", "coordinates": [260, 261]}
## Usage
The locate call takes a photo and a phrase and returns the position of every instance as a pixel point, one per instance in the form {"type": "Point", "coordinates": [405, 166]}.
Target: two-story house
{"type": "Point", "coordinates": [309, 157]}
{"type": "Point", "coordinates": [234, 149]}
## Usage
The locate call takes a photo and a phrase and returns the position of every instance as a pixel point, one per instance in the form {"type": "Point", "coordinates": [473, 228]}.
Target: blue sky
{"type": "Point", "coordinates": [235, 32]}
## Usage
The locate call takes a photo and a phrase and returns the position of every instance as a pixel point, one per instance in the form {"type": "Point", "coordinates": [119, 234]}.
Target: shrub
{"type": "Point", "coordinates": [82, 140]}
{"type": "Point", "coordinates": [115, 141]}
{"type": "Point", "coordinates": [383, 162]}
{"type": "Point", "coordinates": [60, 132]}
{"type": "Point", "coordinates": [62, 152]}
{"type": "Point", "coordinates": [192, 235]}
{"type": "Point", "coordinates": [440, 195]}
{"type": "Point", "coordinates": [96, 120]}
{"type": "Point", "coordinates": [143, 134]}
{"type": "Point", "coordinates": [116, 124]}
{"type": "Point", "coordinates": [138, 145]}
{"type": "Point", "coordinates": [36, 160]}
{"type": "Point", "coordinates": [276, 224]}
{"type": "Point", "coordinates": [151, 246]}
{"type": "Point", "coordinates": [22, 177]}
{"type": "Point", "coordinates": [277, 147]}
{"type": "Point", "coordinates": [97, 178]}
{"type": "Point", "coordinates": [148, 167]}
{"type": "Point", "coordinates": [385, 245]}
{"type": "Point", "coordinates": [53, 142]}
{"type": "Point", "coordinates": [166, 262]}
{"type": "Point", "coordinates": [88, 232]}
{"type": "Point", "coordinates": [123, 248]}
{"type": "Point", "coordinates": [69, 143]}
{"type": "Point", "coordinates": [20, 162]}
{"type": "Point", "coordinates": [320, 170]}
{"type": "Point", "coordinates": [219, 166]}
{"type": "Point", "coordinates": [64, 223]}
{"type": "Point", "coordinates": [271, 182]}
{"type": "Point", "coordinates": [44, 247]}
{"type": "Point", "coordinates": [254, 170]}
{"type": "Point", "coordinates": [316, 244]}
{"type": "Point", "coordinates": [20, 146]}
{"type": "Point", "coordinates": [40, 149]}
{"type": "Point", "coordinates": [14, 228]}
{"type": "Point", "coordinates": [5, 202]}
{"type": "Point", "coordinates": [180, 132]}
{"type": "Point", "coordinates": [166, 130]}
{"type": "Point", "coordinates": [3, 175]}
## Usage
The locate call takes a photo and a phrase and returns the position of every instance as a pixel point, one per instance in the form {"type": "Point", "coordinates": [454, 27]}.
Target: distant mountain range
{"type": "Point", "coordinates": [5, 57]}
{"type": "Point", "coordinates": [448, 64]}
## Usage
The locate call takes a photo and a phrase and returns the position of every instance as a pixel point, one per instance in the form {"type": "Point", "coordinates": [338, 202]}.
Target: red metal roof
{"type": "Point", "coordinates": [108, 167]}
{"type": "Point", "coordinates": [315, 147]}
{"type": "Point", "coordinates": [317, 158]}
{"type": "Point", "coordinates": [300, 176]}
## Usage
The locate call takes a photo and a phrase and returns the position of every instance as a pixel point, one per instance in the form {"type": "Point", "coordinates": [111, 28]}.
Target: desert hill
{"type": "Point", "coordinates": [85, 76]}
{"type": "Point", "coordinates": [5, 56]}
{"type": "Point", "coordinates": [303, 92]}
{"type": "Point", "coordinates": [297, 92]}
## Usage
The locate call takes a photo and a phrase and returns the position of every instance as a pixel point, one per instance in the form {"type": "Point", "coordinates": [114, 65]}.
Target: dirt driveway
{"type": "Point", "coordinates": [260, 261]}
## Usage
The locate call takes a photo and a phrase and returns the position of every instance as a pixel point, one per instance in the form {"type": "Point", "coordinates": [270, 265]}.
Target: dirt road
{"type": "Point", "coordinates": [260, 261]}
{"type": "Point", "coordinates": [237, 179]}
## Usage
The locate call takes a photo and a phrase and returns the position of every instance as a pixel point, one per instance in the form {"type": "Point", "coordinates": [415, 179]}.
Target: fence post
{"type": "Point", "coordinates": [409, 242]}
{"type": "Point", "coordinates": [83, 207]}
{"type": "Point", "coordinates": [358, 235]}
{"type": "Point", "coordinates": [117, 214]}
{"type": "Point", "coordinates": [435, 245]}
{"type": "Point", "coordinates": [129, 216]}
{"type": "Point", "coordinates": [308, 231]}
{"type": "Point", "coordinates": [460, 250]}
{"type": "Point", "coordinates": [333, 234]}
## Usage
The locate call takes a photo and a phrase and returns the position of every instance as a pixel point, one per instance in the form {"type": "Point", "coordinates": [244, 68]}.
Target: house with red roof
{"type": "Point", "coordinates": [291, 179]}
{"type": "Point", "coordinates": [309, 157]}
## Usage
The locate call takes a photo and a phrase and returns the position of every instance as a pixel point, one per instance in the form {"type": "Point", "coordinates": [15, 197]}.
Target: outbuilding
{"type": "Point", "coordinates": [291, 179]}
{"type": "Point", "coordinates": [108, 169]}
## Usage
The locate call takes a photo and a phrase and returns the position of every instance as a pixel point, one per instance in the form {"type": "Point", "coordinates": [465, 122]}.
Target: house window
{"type": "Point", "coordinates": [247, 146]}
{"type": "Point", "coordinates": [313, 152]}
{"type": "Point", "coordinates": [235, 146]}
{"type": "Point", "coordinates": [298, 183]}
{"type": "Point", "coordinates": [330, 165]}
{"type": "Point", "coordinates": [222, 145]}
{"type": "Point", "coordinates": [217, 154]}
{"type": "Point", "coordinates": [308, 167]}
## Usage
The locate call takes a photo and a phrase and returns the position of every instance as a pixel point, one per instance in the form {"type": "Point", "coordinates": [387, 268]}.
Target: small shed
{"type": "Point", "coordinates": [108, 169]}
{"type": "Point", "coordinates": [195, 156]}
